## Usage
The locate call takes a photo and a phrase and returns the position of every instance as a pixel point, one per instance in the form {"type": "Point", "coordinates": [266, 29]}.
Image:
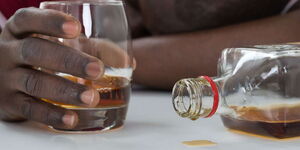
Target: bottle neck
{"type": "Point", "coordinates": [197, 97]}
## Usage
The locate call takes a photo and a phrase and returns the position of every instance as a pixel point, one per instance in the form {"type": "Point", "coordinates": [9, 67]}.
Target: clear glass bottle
{"type": "Point", "coordinates": [257, 90]}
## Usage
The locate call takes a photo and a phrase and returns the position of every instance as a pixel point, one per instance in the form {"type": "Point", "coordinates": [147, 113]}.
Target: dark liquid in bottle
{"type": "Point", "coordinates": [111, 111]}
{"type": "Point", "coordinates": [280, 122]}
{"type": "Point", "coordinates": [278, 130]}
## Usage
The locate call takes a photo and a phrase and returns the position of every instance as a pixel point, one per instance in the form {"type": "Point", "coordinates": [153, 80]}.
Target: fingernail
{"type": "Point", "coordinates": [71, 28]}
{"type": "Point", "coordinates": [69, 119]}
{"type": "Point", "coordinates": [94, 70]}
{"type": "Point", "coordinates": [90, 97]}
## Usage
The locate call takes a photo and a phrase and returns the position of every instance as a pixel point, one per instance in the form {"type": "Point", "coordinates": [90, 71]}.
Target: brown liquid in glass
{"type": "Point", "coordinates": [111, 111]}
{"type": "Point", "coordinates": [279, 122]}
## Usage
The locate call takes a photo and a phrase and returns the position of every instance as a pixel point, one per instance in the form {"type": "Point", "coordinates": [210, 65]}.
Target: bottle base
{"type": "Point", "coordinates": [263, 129]}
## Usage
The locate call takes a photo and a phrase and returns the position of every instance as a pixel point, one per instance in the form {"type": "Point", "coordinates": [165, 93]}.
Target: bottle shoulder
{"type": "Point", "coordinates": [232, 59]}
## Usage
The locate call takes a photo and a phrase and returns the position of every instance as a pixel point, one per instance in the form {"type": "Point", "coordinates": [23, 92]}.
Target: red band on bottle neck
{"type": "Point", "coordinates": [216, 96]}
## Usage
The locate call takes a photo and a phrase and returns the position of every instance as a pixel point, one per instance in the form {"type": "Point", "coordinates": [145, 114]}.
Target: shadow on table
{"type": "Point", "coordinates": [30, 132]}
{"type": "Point", "coordinates": [24, 127]}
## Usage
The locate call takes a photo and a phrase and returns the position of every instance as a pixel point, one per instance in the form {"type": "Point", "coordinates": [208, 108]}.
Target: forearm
{"type": "Point", "coordinates": [162, 60]}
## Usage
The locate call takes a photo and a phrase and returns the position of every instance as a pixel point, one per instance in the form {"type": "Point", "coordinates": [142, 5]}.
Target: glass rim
{"type": "Point", "coordinates": [81, 2]}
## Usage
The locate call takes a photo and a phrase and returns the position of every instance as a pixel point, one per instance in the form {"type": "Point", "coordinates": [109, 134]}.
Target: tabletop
{"type": "Point", "coordinates": [151, 124]}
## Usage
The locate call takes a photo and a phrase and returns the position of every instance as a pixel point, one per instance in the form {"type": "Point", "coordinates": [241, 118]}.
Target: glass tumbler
{"type": "Point", "coordinates": [105, 35]}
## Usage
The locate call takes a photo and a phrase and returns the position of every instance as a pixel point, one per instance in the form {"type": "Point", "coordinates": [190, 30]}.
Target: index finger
{"type": "Point", "coordinates": [42, 21]}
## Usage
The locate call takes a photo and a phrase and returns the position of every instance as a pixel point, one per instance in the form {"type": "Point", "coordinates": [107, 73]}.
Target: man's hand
{"type": "Point", "coordinates": [22, 85]}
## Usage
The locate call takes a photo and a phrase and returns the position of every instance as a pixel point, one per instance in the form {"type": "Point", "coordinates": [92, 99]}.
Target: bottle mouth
{"type": "Point", "coordinates": [195, 97]}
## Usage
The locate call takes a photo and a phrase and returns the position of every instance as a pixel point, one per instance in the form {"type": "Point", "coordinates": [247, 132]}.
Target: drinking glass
{"type": "Point", "coordinates": [105, 35]}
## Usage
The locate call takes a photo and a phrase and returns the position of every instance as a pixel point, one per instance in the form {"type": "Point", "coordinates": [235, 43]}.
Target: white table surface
{"type": "Point", "coordinates": [151, 124]}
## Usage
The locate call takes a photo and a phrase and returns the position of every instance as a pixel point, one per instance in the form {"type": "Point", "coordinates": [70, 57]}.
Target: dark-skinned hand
{"type": "Point", "coordinates": [22, 85]}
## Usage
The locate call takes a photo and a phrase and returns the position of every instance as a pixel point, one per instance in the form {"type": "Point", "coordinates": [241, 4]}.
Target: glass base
{"type": "Point", "coordinates": [88, 131]}
{"type": "Point", "coordinates": [97, 119]}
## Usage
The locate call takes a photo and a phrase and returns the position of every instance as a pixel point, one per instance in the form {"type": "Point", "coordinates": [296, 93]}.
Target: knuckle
{"type": "Point", "coordinates": [21, 16]}
{"type": "Point", "coordinates": [28, 48]}
{"type": "Point", "coordinates": [35, 111]}
{"type": "Point", "coordinates": [32, 83]}
{"type": "Point", "coordinates": [74, 62]}
{"type": "Point", "coordinates": [70, 92]}
{"type": "Point", "coordinates": [26, 108]}
{"type": "Point", "coordinates": [48, 119]}
{"type": "Point", "coordinates": [69, 62]}
{"type": "Point", "coordinates": [53, 116]}
{"type": "Point", "coordinates": [16, 23]}
{"type": "Point", "coordinates": [65, 89]}
{"type": "Point", "coordinates": [45, 115]}
{"type": "Point", "coordinates": [23, 12]}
